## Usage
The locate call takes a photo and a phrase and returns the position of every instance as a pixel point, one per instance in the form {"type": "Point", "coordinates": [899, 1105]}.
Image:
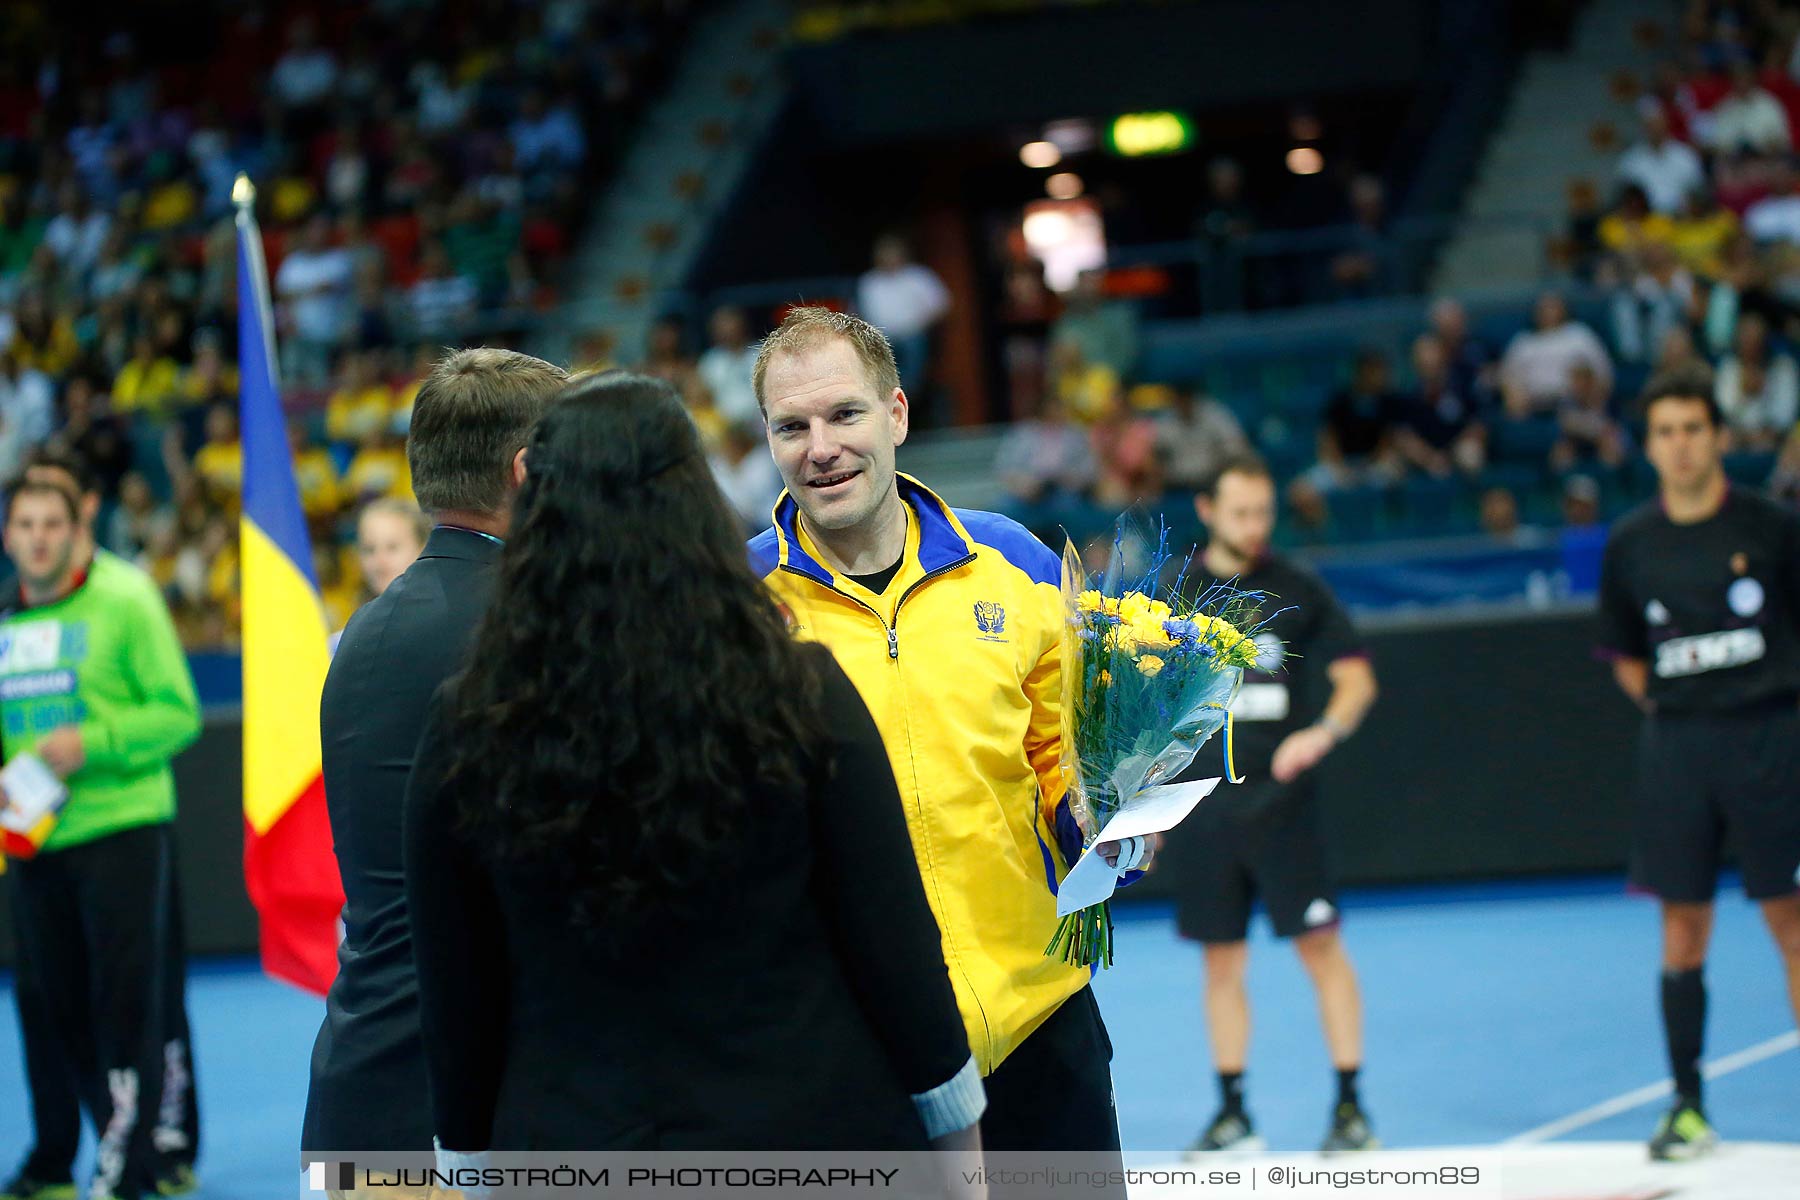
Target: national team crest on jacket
{"type": "Point", "coordinates": [990, 618]}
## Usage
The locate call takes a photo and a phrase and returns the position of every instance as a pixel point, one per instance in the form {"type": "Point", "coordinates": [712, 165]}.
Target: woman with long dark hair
{"type": "Point", "coordinates": [661, 890]}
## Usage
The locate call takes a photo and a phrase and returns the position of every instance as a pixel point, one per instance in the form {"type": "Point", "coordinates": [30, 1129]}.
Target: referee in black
{"type": "Point", "coordinates": [1310, 689]}
{"type": "Point", "coordinates": [1700, 615]}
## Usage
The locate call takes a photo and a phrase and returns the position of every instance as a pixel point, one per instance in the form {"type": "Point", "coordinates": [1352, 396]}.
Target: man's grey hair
{"type": "Point", "coordinates": [473, 415]}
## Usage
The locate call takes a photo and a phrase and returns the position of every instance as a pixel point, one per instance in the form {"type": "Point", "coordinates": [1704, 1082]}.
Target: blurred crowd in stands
{"type": "Point", "coordinates": [1700, 248]}
{"type": "Point", "coordinates": [422, 177]}
{"type": "Point", "coordinates": [423, 168]}
{"type": "Point", "coordinates": [1461, 436]}
{"type": "Point", "coordinates": [1696, 260]}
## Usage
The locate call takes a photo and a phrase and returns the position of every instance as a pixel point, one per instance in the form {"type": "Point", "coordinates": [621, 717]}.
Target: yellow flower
{"type": "Point", "coordinates": [1091, 601]}
{"type": "Point", "coordinates": [1227, 639]}
{"type": "Point", "coordinates": [1136, 607]}
{"type": "Point", "coordinates": [1222, 631]}
{"type": "Point", "coordinates": [1149, 664]}
{"type": "Point", "coordinates": [1149, 633]}
{"type": "Point", "coordinates": [1106, 679]}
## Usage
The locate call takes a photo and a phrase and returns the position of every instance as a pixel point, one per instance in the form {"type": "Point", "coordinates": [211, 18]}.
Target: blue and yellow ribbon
{"type": "Point", "coordinates": [1231, 775]}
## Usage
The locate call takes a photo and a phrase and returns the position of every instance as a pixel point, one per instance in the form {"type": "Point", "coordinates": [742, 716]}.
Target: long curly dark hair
{"type": "Point", "coordinates": [633, 682]}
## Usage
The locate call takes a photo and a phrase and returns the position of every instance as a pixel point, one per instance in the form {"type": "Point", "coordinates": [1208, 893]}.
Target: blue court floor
{"type": "Point", "coordinates": [1492, 1011]}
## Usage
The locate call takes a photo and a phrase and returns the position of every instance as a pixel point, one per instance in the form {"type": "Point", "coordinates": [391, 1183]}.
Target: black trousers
{"type": "Point", "coordinates": [91, 987]}
{"type": "Point", "coordinates": [52, 1077]}
{"type": "Point", "coordinates": [1054, 1094]}
{"type": "Point", "coordinates": [177, 1132]}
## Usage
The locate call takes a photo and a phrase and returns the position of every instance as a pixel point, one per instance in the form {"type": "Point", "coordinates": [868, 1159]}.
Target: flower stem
{"type": "Point", "coordinates": [1085, 938]}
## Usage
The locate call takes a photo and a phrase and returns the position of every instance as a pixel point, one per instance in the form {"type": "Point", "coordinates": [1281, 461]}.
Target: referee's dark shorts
{"type": "Point", "coordinates": [1254, 841]}
{"type": "Point", "coordinates": [1708, 782]}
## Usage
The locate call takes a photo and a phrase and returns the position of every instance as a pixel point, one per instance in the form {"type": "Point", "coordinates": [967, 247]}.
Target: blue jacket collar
{"type": "Point", "coordinates": [942, 542]}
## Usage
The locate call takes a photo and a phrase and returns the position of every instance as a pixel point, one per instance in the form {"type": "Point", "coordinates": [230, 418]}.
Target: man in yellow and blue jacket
{"type": "Point", "coordinates": [948, 622]}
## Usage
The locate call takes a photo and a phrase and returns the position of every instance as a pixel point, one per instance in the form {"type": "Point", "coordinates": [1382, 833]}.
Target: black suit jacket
{"type": "Point", "coordinates": [368, 1089]}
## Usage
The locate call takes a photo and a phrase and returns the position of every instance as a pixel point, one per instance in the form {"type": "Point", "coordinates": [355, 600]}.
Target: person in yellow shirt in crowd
{"type": "Point", "coordinates": [1632, 225]}
{"type": "Point", "coordinates": [1086, 389]}
{"type": "Point", "coordinates": [379, 469]}
{"type": "Point", "coordinates": [1700, 232]}
{"type": "Point", "coordinates": [315, 472]}
{"type": "Point", "coordinates": [293, 195]}
{"type": "Point", "coordinates": [42, 340]}
{"type": "Point", "coordinates": [211, 379]}
{"type": "Point", "coordinates": [363, 404]}
{"type": "Point", "coordinates": [219, 464]}
{"type": "Point", "coordinates": [172, 200]}
{"type": "Point", "coordinates": [148, 381]}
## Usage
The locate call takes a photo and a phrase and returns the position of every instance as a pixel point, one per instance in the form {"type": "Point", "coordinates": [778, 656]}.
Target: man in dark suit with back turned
{"type": "Point", "coordinates": [466, 448]}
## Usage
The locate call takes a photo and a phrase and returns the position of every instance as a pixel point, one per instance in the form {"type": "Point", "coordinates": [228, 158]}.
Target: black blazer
{"type": "Point", "coordinates": [368, 1088]}
{"type": "Point", "coordinates": [795, 1008]}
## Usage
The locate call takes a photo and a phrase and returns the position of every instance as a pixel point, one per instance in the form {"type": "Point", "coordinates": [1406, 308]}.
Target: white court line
{"type": "Point", "coordinates": [1747, 1057]}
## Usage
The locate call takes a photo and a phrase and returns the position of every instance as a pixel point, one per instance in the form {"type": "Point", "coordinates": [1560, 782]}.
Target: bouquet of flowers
{"type": "Point", "coordinates": [1147, 679]}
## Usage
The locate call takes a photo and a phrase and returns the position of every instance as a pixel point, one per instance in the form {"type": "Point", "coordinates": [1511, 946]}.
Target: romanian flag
{"type": "Point", "coordinates": [290, 869]}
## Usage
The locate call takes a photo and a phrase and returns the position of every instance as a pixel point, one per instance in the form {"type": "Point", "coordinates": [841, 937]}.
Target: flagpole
{"type": "Point", "coordinates": [243, 196]}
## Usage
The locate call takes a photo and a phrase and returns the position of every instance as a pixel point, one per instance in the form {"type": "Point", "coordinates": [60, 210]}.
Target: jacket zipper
{"type": "Point", "coordinates": [893, 642]}
{"type": "Point", "coordinates": [892, 631]}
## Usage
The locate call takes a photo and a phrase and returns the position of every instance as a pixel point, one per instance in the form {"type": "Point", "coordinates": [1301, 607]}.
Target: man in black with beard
{"type": "Point", "coordinates": [1310, 689]}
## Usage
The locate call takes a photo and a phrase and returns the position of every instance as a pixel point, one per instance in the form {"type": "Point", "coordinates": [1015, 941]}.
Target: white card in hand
{"type": "Point", "coordinates": [34, 791]}
{"type": "Point", "coordinates": [1091, 880]}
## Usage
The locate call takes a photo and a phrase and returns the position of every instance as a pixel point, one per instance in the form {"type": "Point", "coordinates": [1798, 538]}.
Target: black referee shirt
{"type": "Point", "coordinates": [1289, 688]}
{"type": "Point", "coordinates": [1714, 607]}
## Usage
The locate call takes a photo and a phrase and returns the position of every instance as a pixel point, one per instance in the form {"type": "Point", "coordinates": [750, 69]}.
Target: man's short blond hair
{"type": "Point", "coordinates": [806, 327]}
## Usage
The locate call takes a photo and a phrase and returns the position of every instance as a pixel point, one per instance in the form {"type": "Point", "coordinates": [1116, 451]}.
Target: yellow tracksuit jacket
{"type": "Point", "coordinates": [959, 662]}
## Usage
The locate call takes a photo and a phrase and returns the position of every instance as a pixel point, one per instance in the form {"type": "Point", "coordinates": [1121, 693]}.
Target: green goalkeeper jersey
{"type": "Point", "coordinates": [104, 658]}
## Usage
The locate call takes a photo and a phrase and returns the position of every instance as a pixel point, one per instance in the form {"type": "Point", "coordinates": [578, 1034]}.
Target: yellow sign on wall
{"type": "Point", "coordinates": [1137, 135]}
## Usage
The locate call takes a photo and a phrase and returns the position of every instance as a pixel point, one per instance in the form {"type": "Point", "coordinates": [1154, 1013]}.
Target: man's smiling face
{"type": "Point", "coordinates": [833, 436]}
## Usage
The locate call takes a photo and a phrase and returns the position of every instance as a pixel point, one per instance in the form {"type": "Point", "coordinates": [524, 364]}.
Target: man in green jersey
{"type": "Point", "coordinates": [94, 684]}
{"type": "Point", "coordinates": [47, 1170]}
